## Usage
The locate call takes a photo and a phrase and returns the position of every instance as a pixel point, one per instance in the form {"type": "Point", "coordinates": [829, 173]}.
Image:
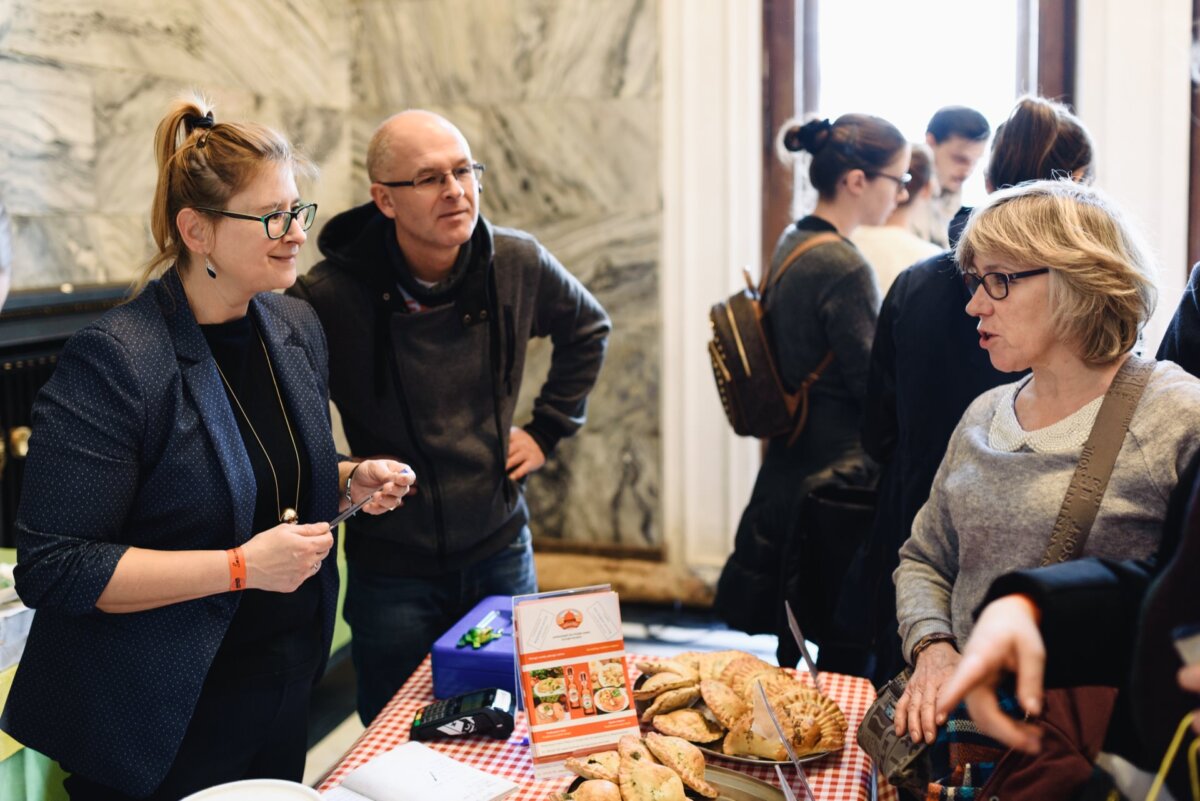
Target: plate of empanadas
{"type": "Point", "coordinates": [708, 698]}
{"type": "Point", "coordinates": [658, 768]}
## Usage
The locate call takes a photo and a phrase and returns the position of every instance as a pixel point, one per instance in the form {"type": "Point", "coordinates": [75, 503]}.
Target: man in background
{"type": "Point", "coordinates": [958, 136]}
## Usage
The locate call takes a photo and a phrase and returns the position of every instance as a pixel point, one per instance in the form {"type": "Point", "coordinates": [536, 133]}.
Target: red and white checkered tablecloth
{"type": "Point", "coordinates": [844, 776]}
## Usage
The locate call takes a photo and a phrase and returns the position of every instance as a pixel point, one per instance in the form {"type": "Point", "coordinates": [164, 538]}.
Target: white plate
{"type": "Point", "coordinates": [257, 790]}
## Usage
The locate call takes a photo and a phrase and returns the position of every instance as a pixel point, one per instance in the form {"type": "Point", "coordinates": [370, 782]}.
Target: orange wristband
{"type": "Point", "coordinates": [237, 569]}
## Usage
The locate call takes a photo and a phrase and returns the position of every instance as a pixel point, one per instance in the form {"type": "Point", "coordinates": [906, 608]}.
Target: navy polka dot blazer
{"type": "Point", "coordinates": [134, 443]}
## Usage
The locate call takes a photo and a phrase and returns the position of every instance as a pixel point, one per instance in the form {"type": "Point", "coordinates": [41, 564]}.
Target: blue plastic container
{"type": "Point", "coordinates": [461, 670]}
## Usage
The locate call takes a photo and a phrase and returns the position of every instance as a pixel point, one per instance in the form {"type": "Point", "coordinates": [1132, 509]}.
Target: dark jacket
{"type": "Point", "coordinates": [1181, 343]}
{"type": "Point", "coordinates": [437, 388]}
{"type": "Point", "coordinates": [926, 368]}
{"type": "Point", "coordinates": [134, 443]}
{"type": "Point", "coordinates": [1109, 623]}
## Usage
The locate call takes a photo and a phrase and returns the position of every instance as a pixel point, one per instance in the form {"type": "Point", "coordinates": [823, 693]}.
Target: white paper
{"type": "Point", "coordinates": [415, 772]}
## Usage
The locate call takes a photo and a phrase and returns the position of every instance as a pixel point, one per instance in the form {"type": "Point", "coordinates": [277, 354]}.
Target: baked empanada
{"type": "Point", "coordinates": [601, 765]}
{"type": "Point", "coordinates": [670, 666]}
{"type": "Point", "coordinates": [711, 665]}
{"type": "Point", "coordinates": [593, 790]}
{"type": "Point", "coordinates": [643, 780]}
{"type": "Point", "coordinates": [724, 703]}
{"type": "Point", "coordinates": [631, 747]}
{"type": "Point", "coordinates": [689, 724]}
{"type": "Point", "coordinates": [670, 701]}
{"type": "Point", "coordinates": [742, 741]}
{"type": "Point", "coordinates": [659, 683]}
{"type": "Point", "coordinates": [684, 758]}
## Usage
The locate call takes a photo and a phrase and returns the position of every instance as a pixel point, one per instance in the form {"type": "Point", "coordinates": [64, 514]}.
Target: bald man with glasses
{"type": "Point", "coordinates": [429, 309]}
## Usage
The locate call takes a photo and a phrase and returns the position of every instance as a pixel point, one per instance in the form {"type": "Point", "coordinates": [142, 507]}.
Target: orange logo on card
{"type": "Point", "coordinates": [569, 619]}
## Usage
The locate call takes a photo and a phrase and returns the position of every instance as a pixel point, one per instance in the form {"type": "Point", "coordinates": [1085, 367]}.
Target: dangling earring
{"type": "Point", "coordinates": [208, 267]}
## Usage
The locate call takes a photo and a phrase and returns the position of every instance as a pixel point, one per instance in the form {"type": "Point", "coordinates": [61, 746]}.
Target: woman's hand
{"type": "Point", "coordinates": [916, 711]}
{"type": "Point", "coordinates": [281, 558]}
{"type": "Point", "coordinates": [1006, 638]}
{"type": "Point", "coordinates": [388, 480]}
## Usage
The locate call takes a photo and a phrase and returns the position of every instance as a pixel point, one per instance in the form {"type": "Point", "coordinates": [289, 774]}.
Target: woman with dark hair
{"type": "Point", "coordinates": [821, 317]}
{"type": "Point", "coordinates": [184, 611]}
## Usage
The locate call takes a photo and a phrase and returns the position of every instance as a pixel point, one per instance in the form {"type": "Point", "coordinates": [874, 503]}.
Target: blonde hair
{"type": "Point", "coordinates": [1101, 286]}
{"type": "Point", "coordinates": [204, 163]}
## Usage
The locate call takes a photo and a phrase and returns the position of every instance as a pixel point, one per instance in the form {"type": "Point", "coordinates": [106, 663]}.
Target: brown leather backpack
{"type": "Point", "coordinates": [743, 359]}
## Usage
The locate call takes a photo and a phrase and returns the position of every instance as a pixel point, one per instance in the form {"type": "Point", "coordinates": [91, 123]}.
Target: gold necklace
{"type": "Point", "coordinates": [288, 515]}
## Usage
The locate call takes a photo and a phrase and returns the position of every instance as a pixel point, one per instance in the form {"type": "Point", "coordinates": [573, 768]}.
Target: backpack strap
{"type": "Point", "coordinates": [769, 279]}
{"type": "Point", "coordinates": [1096, 460]}
{"type": "Point", "coordinates": [802, 409]}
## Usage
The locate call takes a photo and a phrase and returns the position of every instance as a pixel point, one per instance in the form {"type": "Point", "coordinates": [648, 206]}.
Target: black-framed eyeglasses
{"type": "Point", "coordinates": [900, 180]}
{"type": "Point", "coordinates": [277, 223]}
{"type": "Point", "coordinates": [996, 284]}
{"type": "Point", "coordinates": [434, 180]}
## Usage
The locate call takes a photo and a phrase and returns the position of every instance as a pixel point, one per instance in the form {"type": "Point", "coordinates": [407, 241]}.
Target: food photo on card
{"type": "Point", "coordinates": [573, 677]}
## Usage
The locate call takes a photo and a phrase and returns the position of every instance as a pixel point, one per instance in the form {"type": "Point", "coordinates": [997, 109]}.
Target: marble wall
{"type": "Point", "coordinates": [560, 98]}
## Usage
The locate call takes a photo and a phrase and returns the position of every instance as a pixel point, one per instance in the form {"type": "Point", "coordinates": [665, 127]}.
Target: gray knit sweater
{"type": "Point", "coordinates": [999, 489]}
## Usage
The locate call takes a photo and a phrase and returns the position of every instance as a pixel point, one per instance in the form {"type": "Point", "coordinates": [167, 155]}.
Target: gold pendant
{"type": "Point", "coordinates": [289, 516]}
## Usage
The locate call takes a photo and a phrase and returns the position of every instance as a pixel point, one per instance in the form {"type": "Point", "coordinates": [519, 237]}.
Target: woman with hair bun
{"type": "Point", "coordinates": [173, 529]}
{"type": "Point", "coordinates": [823, 306]}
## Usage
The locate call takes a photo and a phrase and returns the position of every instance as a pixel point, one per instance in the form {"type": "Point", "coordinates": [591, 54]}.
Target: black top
{"type": "Point", "coordinates": [271, 632]}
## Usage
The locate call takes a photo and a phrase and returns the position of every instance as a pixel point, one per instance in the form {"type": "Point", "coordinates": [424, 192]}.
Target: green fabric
{"type": "Point", "coordinates": [29, 776]}
{"type": "Point", "coordinates": [341, 631]}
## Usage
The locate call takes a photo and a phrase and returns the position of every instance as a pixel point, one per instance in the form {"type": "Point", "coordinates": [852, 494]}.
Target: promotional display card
{"type": "Point", "coordinates": [571, 661]}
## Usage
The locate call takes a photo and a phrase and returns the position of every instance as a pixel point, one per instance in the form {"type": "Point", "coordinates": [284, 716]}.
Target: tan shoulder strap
{"type": "Point", "coordinates": [769, 279]}
{"type": "Point", "coordinates": [1096, 461]}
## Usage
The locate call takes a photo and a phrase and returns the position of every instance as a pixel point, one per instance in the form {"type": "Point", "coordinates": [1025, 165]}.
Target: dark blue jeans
{"type": "Point", "coordinates": [394, 621]}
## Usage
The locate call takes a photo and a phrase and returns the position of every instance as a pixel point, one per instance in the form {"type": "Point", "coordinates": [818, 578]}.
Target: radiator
{"type": "Point", "coordinates": [34, 326]}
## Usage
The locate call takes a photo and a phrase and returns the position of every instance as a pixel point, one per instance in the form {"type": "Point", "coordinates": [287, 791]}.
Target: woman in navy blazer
{"type": "Point", "coordinates": [180, 623]}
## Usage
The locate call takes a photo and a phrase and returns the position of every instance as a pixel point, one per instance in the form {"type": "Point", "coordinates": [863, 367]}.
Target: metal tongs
{"type": "Point", "coordinates": [799, 638]}
{"type": "Point", "coordinates": [787, 744]}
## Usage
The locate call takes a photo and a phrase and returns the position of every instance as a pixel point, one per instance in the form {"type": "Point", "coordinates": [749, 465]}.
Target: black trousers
{"type": "Point", "coordinates": [252, 728]}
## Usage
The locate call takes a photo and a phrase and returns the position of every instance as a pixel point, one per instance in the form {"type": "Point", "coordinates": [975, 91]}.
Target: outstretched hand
{"type": "Point", "coordinates": [1006, 639]}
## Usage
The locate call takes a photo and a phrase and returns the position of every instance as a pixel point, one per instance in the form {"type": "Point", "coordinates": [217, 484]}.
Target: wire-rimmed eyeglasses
{"type": "Point", "coordinates": [277, 223]}
{"type": "Point", "coordinates": [434, 180]}
{"type": "Point", "coordinates": [995, 284]}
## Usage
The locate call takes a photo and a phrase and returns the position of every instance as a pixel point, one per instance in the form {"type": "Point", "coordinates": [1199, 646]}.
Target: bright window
{"type": "Point", "coordinates": [903, 61]}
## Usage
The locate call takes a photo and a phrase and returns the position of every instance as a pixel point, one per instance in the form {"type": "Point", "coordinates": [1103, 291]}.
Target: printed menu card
{"type": "Point", "coordinates": [572, 674]}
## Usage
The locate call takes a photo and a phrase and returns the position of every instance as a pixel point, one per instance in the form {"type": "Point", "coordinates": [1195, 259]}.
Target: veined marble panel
{"type": "Point", "coordinates": [296, 49]}
{"type": "Point", "coordinates": [128, 110]}
{"type": "Point", "coordinates": [47, 140]}
{"type": "Point", "coordinates": [494, 51]}
{"type": "Point", "coordinates": [78, 249]}
{"type": "Point", "coordinates": [602, 484]}
{"type": "Point", "coordinates": [553, 160]}
{"type": "Point", "coordinates": [127, 113]}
